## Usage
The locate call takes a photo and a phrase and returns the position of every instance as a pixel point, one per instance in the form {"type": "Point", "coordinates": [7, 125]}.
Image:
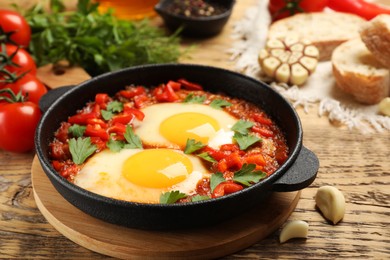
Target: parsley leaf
{"type": "Point", "coordinates": [171, 197]}
{"type": "Point", "coordinates": [115, 106]}
{"type": "Point", "coordinates": [81, 149]}
{"type": "Point", "coordinates": [199, 198]}
{"type": "Point", "coordinates": [190, 98]}
{"type": "Point", "coordinates": [115, 145]}
{"type": "Point", "coordinates": [107, 115]}
{"type": "Point", "coordinates": [192, 146]}
{"type": "Point", "coordinates": [247, 175]}
{"type": "Point", "coordinates": [133, 140]}
{"type": "Point", "coordinates": [242, 127]}
{"type": "Point", "coordinates": [216, 179]}
{"type": "Point", "coordinates": [206, 156]}
{"type": "Point", "coordinates": [77, 130]}
{"type": "Point", "coordinates": [244, 141]}
{"type": "Point", "coordinates": [219, 104]}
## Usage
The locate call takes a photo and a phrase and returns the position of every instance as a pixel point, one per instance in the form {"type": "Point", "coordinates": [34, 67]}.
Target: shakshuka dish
{"type": "Point", "coordinates": [171, 143]}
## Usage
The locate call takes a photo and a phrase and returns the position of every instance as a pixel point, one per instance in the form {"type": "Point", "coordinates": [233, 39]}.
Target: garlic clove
{"type": "Point", "coordinates": [331, 203]}
{"type": "Point", "coordinates": [294, 229]}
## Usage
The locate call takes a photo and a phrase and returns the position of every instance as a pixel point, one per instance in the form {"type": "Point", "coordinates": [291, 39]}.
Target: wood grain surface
{"type": "Point", "coordinates": [357, 164]}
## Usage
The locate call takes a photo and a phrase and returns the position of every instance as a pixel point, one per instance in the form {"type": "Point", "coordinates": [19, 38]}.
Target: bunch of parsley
{"type": "Point", "coordinates": [97, 42]}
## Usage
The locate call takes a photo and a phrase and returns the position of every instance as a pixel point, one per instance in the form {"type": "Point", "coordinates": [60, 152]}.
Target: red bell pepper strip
{"type": "Point", "coordinates": [226, 187]}
{"type": "Point", "coordinates": [96, 131]}
{"type": "Point", "coordinates": [127, 109]}
{"type": "Point", "coordinates": [102, 100]}
{"type": "Point", "coordinates": [359, 7]}
{"type": "Point", "coordinates": [189, 85]}
{"type": "Point", "coordinates": [130, 93]}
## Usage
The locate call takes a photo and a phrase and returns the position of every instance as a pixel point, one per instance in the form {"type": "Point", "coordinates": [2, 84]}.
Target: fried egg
{"type": "Point", "coordinates": [139, 175]}
{"type": "Point", "coordinates": [171, 124]}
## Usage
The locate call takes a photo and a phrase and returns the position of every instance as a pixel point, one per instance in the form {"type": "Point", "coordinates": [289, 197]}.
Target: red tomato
{"type": "Point", "coordinates": [30, 86]}
{"type": "Point", "coordinates": [359, 7]}
{"type": "Point", "coordinates": [284, 8]}
{"type": "Point", "coordinates": [17, 125]}
{"type": "Point", "coordinates": [14, 25]}
{"type": "Point", "coordinates": [22, 58]}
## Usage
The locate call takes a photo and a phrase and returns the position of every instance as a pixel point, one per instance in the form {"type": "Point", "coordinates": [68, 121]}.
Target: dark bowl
{"type": "Point", "coordinates": [195, 26]}
{"type": "Point", "coordinates": [296, 173]}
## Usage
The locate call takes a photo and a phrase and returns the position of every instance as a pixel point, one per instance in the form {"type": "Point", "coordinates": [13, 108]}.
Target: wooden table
{"type": "Point", "coordinates": [357, 164]}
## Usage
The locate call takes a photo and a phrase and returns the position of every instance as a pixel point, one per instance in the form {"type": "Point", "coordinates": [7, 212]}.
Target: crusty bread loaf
{"type": "Point", "coordinates": [376, 35]}
{"type": "Point", "coordinates": [358, 72]}
{"type": "Point", "coordinates": [325, 30]}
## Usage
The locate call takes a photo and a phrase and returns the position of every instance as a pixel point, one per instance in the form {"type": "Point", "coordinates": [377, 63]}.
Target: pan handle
{"type": "Point", "coordinates": [301, 174]}
{"type": "Point", "coordinates": [51, 96]}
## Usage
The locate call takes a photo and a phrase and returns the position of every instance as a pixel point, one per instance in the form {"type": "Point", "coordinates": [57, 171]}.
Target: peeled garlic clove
{"type": "Point", "coordinates": [331, 203]}
{"type": "Point", "coordinates": [294, 229]}
{"type": "Point", "coordinates": [384, 106]}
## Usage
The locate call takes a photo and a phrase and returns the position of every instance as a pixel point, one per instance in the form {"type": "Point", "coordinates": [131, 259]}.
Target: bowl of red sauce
{"type": "Point", "coordinates": [195, 18]}
{"type": "Point", "coordinates": [156, 146]}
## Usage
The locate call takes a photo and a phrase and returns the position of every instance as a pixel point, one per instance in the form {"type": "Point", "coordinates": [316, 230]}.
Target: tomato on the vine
{"type": "Point", "coordinates": [24, 61]}
{"type": "Point", "coordinates": [18, 120]}
{"type": "Point", "coordinates": [30, 86]}
{"type": "Point", "coordinates": [15, 28]}
{"type": "Point", "coordinates": [283, 8]}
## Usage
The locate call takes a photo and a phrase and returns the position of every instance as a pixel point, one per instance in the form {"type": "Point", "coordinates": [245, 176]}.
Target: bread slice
{"type": "Point", "coordinates": [359, 73]}
{"type": "Point", "coordinates": [326, 30]}
{"type": "Point", "coordinates": [376, 35]}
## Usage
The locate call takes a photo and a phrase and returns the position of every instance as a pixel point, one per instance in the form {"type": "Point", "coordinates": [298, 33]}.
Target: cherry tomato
{"type": "Point", "coordinates": [30, 86]}
{"type": "Point", "coordinates": [359, 7]}
{"type": "Point", "coordinates": [16, 27]}
{"type": "Point", "coordinates": [283, 8]}
{"type": "Point", "coordinates": [17, 125]}
{"type": "Point", "coordinates": [22, 58]}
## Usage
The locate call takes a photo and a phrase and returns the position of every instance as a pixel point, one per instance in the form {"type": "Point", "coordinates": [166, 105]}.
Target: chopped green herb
{"type": "Point", "coordinates": [115, 145]}
{"type": "Point", "coordinates": [199, 198]}
{"type": "Point", "coordinates": [244, 141]}
{"type": "Point", "coordinates": [133, 140]}
{"type": "Point", "coordinates": [192, 146]}
{"type": "Point", "coordinates": [248, 176]}
{"type": "Point", "coordinates": [206, 156]}
{"type": "Point", "coordinates": [242, 127]}
{"type": "Point", "coordinates": [171, 197]}
{"type": "Point", "coordinates": [219, 104]}
{"type": "Point", "coordinates": [115, 106]}
{"type": "Point", "coordinates": [77, 130]}
{"type": "Point", "coordinates": [81, 149]}
{"type": "Point", "coordinates": [216, 179]}
{"type": "Point", "coordinates": [107, 115]}
{"type": "Point", "coordinates": [190, 98]}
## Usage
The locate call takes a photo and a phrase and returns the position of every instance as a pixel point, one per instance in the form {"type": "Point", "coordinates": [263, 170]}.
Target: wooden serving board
{"type": "Point", "coordinates": [121, 242]}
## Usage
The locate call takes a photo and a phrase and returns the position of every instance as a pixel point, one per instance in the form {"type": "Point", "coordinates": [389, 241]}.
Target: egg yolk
{"type": "Point", "coordinates": [158, 168]}
{"type": "Point", "coordinates": [190, 125]}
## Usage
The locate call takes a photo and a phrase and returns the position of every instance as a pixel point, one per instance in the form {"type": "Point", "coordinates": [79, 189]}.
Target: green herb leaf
{"type": "Point", "coordinates": [133, 140]}
{"type": "Point", "coordinates": [192, 146]}
{"type": "Point", "coordinates": [77, 130]}
{"type": "Point", "coordinates": [219, 104]}
{"type": "Point", "coordinates": [107, 115]}
{"type": "Point", "coordinates": [171, 197]}
{"type": "Point", "coordinates": [97, 42]}
{"type": "Point", "coordinates": [115, 106]}
{"type": "Point", "coordinates": [242, 127]}
{"type": "Point", "coordinates": [190, 98]}
{"type": "Point", "coordinates": [216, 179]}
{"type": "Point", "coordinates": [244, 141]}
{"type": "Point", "coordinates": [199, 198]}
{"type": "Point", "coordinates": [206, 156]}
{"type": "Point", "coordinates": [248, 176]}
{"type": "Point", "coordinates": [115, 145]}
{"type": "Point", "coordinates": [81, 149]}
